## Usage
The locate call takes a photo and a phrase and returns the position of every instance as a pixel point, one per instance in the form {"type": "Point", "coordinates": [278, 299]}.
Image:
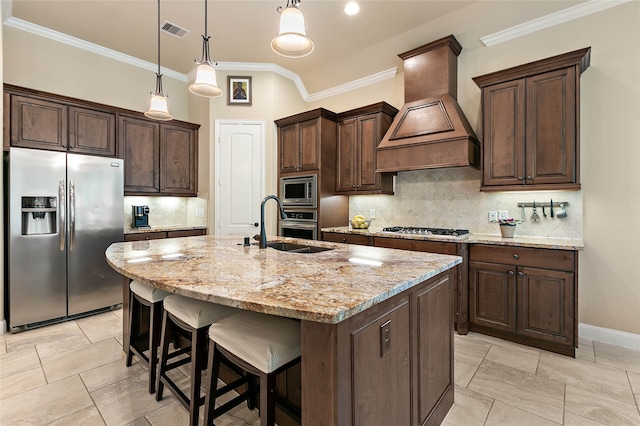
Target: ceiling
{"type": "Point", "coordinates": [241, 31]}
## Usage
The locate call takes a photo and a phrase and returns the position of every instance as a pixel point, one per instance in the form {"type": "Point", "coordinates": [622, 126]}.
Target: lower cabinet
{"type": "Point", "coordinates": [142, 236]}
{"type": "Point", "coordinates": [459, 300]}
{"type": "Point", "coordinates": [524, 295]}
{"type": "Point", "coordinates": [394, 361]}
{"type": "Point", "coordinates": [339, 237]}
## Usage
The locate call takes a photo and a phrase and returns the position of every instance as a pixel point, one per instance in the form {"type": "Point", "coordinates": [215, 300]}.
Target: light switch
{"type": "Point", "coordinates": [503, 214]}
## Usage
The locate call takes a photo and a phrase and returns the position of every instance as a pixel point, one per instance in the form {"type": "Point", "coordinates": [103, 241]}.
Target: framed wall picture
{"type": "Point", "coordinates": [239, 89]}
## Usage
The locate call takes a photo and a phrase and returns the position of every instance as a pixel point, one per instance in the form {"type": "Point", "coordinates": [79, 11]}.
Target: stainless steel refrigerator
{"type": "Point", "coordinates": [63, 211]}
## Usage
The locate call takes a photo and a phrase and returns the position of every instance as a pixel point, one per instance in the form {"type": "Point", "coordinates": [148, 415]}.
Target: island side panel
{"type": "Point", "coordinates": [344, 363]}
{"type": "Point", "coordinates": [434, 368]}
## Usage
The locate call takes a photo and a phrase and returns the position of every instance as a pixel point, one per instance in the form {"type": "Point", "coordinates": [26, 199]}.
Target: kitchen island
{"type": "Point", "coordinates": [376, 329]}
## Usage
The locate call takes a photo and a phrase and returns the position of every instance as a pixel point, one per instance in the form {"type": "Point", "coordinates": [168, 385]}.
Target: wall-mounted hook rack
{"type": "Point", "coordinates": [544, 204]}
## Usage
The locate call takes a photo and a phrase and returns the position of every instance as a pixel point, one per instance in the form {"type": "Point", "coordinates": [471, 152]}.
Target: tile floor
{"type": "Point", "coordinates": [73, 374]}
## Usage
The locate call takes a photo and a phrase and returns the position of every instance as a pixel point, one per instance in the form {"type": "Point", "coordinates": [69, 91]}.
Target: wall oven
{"type": "Point", "coordinates": [299, 191]}
{"type": "Point", "coordinates": [299, 224]}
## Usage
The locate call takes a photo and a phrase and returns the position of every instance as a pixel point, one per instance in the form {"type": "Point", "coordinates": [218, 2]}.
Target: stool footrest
{"type": "Point", "coordinates": [232, 385]}
{"type": "Point", "coordinates": [235, 401]}
{"type": "Point", "coordinates": [178, 363]}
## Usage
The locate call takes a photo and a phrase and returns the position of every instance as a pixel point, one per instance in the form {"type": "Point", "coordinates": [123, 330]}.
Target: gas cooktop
{"type": "Point", "coordinates": [426, 231]}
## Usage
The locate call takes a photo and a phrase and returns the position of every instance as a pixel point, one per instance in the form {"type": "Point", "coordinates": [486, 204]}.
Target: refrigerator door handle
{"type": "Point", "coordinates": [72, 215]}
{"type": "Point", "coordinates": [62, 226]}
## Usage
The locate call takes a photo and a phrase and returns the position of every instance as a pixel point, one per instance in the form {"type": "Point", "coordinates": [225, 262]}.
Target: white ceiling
{"type": "Point", "coordinates": [241, 31]}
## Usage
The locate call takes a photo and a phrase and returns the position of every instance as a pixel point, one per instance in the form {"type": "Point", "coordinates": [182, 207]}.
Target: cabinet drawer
{"type": "Point", "coordinates": [337, 237]}
{"type": "Point", "coordinates": [185, 233]}
{"type": "Point", "coordinates": [562, 260]}
{"type": "Point", "coordinates": [145, 236]}
{"type": "Point", "coordinates": [416, 245]}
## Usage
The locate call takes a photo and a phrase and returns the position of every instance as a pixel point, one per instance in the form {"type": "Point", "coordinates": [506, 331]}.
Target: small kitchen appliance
{"type": "Point", "coordinates": [140, 217]}
{"type": "Point", "coordinates": [299, 191]}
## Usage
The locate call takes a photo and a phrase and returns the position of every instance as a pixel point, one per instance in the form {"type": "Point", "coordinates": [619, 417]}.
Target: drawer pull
{"type": "Point", "coordinates": [515, 256]}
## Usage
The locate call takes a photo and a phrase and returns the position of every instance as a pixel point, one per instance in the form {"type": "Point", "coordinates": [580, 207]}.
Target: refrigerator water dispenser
{"type": "Point", "coordinates": [39, 215]}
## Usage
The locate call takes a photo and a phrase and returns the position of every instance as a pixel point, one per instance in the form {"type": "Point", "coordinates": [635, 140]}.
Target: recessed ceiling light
{"type": "Point", "coordinates": [351, 8]}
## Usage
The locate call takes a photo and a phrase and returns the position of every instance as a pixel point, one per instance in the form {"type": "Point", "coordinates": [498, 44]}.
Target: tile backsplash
{"type": "Point", "coordinates": [168, 211]}
{"type": "Point", "coordinates": [451, 198]}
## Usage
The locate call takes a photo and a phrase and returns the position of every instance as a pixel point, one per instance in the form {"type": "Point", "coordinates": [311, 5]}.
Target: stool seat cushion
{"type": "Point", "coordinates": [266, 342]}
{"type": "Point", "coordinates": [147, 292]}
{"type": "Point", "coordinates": [196, 313]}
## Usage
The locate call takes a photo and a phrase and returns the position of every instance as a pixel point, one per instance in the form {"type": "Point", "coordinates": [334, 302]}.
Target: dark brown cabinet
{"type": "Point", "coordinates": [395, 361]}
{"type": "Point", "coordinates": [339, 237]}
{"type": "Point", "coordinates": [531, 124]}
{"type": "Point", "coordinates": [38, 123]}
{"type": "Point", "coordinates": [159, 158]}
{"type": "Point", "coordinates": [525, 295]}
{"type": "Point", "coordinates": [158, 235]}
{"type": "Point", "coordinates": [42, 123]}
{"type": "Point", "coordinates": [301, 139]}
{"type": "Point", "coordinates": [359, 133]}
{"type": "Point", "coordinates": [92, 132]}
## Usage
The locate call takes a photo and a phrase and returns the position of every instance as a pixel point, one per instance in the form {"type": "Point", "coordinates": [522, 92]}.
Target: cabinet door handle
{"type": "Point", "coordinates": [520, 178]}
{"type": "Point", "coordinates": [344, 240]}
{"type": "Point", "coordinates": [520, 273]}
{"type": "Point", "coordinates": [530, 177]}
{"type": "Point", "coordinates": [515, 256]}
{"type": "Point", "coordinates": [510, 272]}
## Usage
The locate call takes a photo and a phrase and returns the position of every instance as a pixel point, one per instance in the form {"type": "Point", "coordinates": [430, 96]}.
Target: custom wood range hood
{"type": "Point", "coordinates": [430, 131]}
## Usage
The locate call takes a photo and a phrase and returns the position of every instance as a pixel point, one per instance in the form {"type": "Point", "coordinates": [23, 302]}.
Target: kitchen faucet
{"type": "Point", "coordinates": [283, 215]}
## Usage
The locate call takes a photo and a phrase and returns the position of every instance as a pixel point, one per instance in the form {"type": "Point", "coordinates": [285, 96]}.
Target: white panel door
{"type": "Point", "coordinates": [239, 176]}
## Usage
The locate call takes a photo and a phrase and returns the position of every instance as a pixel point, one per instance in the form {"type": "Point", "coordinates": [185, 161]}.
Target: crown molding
{"type": "Point", "coordinates": [223, 66]}
{"type": "Point", "coordinates": [566, 15]}
{"type": "Point", "coordinates": [91, 47]}
{"type": "Point", "coordinates": [353, 85]}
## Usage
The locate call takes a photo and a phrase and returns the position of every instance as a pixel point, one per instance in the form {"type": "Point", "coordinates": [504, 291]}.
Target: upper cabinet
{"type": "Point", "coordinates": [92, 132]}
{"type": "Point", "coordinates": [42, 122]}
{"type": "Point", "coordinates": [159, 158]}
{"type": "Point", "coordinates": [531, 124]}
{"type": "Point", "coordinates": [37, 123]}
{"type": "Point", "coordinates": [359, 133]}
{"type": "Point", "coordinates": [302, 138]}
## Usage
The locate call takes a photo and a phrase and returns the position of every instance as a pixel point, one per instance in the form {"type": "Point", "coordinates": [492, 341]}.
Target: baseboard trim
{"type": "Point", "coordinates": [609, 335]}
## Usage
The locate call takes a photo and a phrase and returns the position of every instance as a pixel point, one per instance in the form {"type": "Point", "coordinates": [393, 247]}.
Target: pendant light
{"type": "Point", "coordinates": [158, 108]}
{"type": "Point", "coordinates": [205, 83]}
{"type": "Point", "coordinates": [292, 40]}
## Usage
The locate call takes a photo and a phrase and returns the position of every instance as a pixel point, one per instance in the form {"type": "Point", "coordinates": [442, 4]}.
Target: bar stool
{"type": "Point", "coordinates": [143, 296]}
{"type": "Point", "coordinates": [189, 318]}
{"type": "Point", "coordinates": [263, 345]}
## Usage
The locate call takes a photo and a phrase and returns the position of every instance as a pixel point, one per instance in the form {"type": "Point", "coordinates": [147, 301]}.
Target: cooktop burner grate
{"type": "Point", "coordinates": [426, 231]}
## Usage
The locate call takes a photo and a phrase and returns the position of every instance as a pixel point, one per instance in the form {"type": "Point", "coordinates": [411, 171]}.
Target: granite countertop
{"type": "Point", "coordinates": [534, 242]}
{"type": "Point", "coordinates": [326, 287]}
{"type": "Point", "coordinates": [162, 228]}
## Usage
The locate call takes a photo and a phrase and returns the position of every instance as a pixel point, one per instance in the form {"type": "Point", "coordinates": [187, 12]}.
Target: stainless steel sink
{"type": "Point", "coordinates": [296, 248]}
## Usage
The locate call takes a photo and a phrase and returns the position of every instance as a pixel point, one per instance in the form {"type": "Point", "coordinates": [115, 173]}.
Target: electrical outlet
{"type": "Point", "coordinates": [385, 338]}
{"type": "Point", "coordinates": [493, 216]}
{"type": "Point", "coordinates": [503, 214]}
{"type": "Point", "coordinates": [372, 213]}
{"type": "Point", "coordinates": [199, 212]}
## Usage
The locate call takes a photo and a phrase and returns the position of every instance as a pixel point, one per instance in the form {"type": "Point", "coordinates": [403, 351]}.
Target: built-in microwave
{"type": "Point", "coordinates": [299, 191]}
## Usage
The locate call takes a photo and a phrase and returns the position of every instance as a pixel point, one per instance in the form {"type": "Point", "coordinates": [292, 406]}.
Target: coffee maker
{"type": "Point", "coordinates": [140, 217]}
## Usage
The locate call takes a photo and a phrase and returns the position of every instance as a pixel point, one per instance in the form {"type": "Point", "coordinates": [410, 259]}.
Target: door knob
{"type": "Point", "coordinates": [256, 224]}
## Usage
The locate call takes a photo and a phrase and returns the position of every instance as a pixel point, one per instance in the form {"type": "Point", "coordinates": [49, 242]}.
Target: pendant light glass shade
{"type": "Point", "coordinates": [292, 40]}
{"type": "Point", "coordinates": [205, 83]}
{"type": "Point", "coordinates": [158, 106]}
